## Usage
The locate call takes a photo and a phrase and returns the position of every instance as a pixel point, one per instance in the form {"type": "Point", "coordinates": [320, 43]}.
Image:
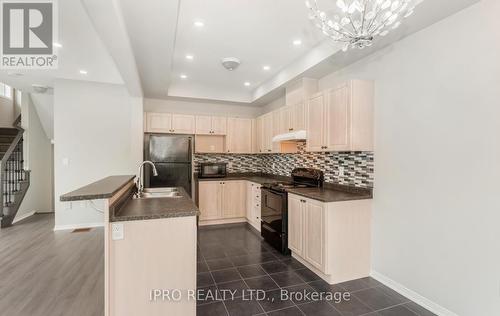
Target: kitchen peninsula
{"type": "Point", "coordinates": [150, 245]}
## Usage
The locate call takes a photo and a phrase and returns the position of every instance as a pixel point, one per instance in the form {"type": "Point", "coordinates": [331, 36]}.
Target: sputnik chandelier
{"type": "Point", "coordinates": [356, 23]}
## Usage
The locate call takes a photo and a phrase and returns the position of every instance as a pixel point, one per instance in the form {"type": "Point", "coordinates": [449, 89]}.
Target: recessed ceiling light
{"type": "Point", "coordinates": [247, 84]}
{"type": "Point", "coordinates": [266, 67]}
{"type": "Point", "coordinates": [83, 72]}
{"type": "Point", "coordinates": [183, 76]}
{"type": "Point", "coordinates": [297, 42]}
{"type": "Point", "coordinates": [58, 45]}
{"type": "Point", "coordinates": [199, 23]}
{"type": "Point", "coordinates": [189, 57]}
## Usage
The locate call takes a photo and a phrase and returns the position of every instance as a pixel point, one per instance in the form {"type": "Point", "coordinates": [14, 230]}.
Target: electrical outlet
{"type": "Point", "coordinates": [341, 171]}
{"type": "Point", "coordinates": [117, 231]}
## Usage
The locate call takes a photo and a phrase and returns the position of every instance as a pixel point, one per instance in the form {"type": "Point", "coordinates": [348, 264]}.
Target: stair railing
{"type": "Point", "coordinates": [12, 169]}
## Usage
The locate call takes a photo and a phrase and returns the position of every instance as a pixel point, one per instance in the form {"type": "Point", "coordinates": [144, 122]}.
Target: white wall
{"type": "Point", "coordinates": [437, 207]}
{"type": "Point", "coordinates": [37, 159]}
{"type": "Point", "coordinates": [176, 105]}
{"type": "Point", "coordinates": [7, 112]}
{"type": "Point", "coordinates": [98, 128]}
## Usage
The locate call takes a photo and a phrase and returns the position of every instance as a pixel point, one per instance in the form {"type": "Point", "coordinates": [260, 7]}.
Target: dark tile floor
{"type": "Point", "coordinates": [234, 260]}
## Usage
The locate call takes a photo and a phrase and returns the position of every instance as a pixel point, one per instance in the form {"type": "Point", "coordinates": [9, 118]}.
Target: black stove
{"type": "Point", "coordinates": [274, 217]}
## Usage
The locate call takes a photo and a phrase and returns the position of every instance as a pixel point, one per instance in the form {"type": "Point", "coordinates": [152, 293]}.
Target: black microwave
{"type": "Point", "coordinates": [213, 170]}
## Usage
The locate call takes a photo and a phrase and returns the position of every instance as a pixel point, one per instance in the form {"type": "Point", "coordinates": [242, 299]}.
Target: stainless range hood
{"type": "Point", "coordinates": [292, 136]}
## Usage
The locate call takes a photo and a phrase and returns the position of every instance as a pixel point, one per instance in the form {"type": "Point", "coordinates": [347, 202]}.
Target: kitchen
{"type": "Point", "coordinates": [250, 158]}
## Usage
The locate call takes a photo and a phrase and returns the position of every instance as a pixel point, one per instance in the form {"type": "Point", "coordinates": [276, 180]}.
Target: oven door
{"type": "Point", "coordinates": [273, 209]}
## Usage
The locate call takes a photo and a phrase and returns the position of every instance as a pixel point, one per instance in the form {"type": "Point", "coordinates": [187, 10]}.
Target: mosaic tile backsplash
{"type": "Point", "coordinates": [358, 166]}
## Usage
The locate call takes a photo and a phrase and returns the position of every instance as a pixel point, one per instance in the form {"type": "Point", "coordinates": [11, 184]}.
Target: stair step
{"type": "Point", "coordinates": [8, 131]}
{"type": "Point", "coordinates": [4, 148]}
{"type": "Point", "coordinates": [7, 139]}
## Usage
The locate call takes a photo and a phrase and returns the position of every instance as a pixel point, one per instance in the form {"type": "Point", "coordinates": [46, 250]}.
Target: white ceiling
{"type": "Point", "coordinates": [143, 45]}
{"type": "Point", "coordinates": [258, 32]}
{"type": "Point", "coordinates": [82, 50]}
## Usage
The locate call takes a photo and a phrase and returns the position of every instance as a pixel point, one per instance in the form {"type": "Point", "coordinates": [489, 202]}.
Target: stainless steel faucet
{"type": "Point", "coordinates": [138, 181]}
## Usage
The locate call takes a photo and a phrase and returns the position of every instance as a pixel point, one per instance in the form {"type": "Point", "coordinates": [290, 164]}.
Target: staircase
{"type": "Point", "coordinates": [14, 179]}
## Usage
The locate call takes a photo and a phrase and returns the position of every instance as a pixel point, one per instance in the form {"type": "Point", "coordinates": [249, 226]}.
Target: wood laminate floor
{"type": "Point", "coordinates": [47, 273]}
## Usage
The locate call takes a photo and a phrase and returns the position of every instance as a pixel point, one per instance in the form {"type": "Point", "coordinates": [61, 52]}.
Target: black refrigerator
{"type": "Point", "coordinates": [172, 156]}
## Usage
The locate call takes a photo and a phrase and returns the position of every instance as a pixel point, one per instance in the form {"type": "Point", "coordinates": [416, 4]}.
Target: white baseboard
{"type": "Point", "coordinates": [77, 226]}
{"type": "Point", "coordinates": [414, 296]}
{"type": "Point", "coordinates": [23, 216]}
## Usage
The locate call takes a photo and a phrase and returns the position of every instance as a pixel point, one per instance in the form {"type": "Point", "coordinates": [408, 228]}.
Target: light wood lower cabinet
{"type": "Point", "coordinates": [332, 239]}
{"type": "Point", "coordinates": [314, 232]}
{"type": "Point", "coordinates": [253, 208]}
{"type": "Point", "coordinates": [233, 199]}
{"type": "Point", "coordinates": [296, 225]}
{"type": "Point", "coordinates": [210, 199]}
{"type": "Point", "coordinates": [222, 199]}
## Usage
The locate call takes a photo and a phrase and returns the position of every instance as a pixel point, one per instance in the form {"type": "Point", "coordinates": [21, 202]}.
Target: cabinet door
{"type": "Point", "coordinates": [258, 135]}
{"type": "Point", "coordinates": [267, 133]}
{"type": "Point", "coordinates": [316, 122]}
{"type": "Point", "coordinates": [233, 199]}
{"type": "Point", "coordinates": [285, 119]}
{"type": "Point", "coordinates": [203, 125]}
{"type": "Point", "coordinates": [158, 122]}
{"type": "Point", "coordinates": [277, 123]}
{"type": "Point", "coordinates": [209, 197]}
{"type": "Point", "coordinates": [239, 136]}
{"type": "Point", "coordinates": [338, 119]}
{"type": "Point", "coordinates": [249, 204]}
{"type": "Point", "coordinates": [314, 234]}
{"type": "Point", "coordinates": [298, 117]}
{"type": "Point", "coordinates": [296, 225]}
{"type": "Point", "coordinates": [183, 124]}
{"type": "Point", "coordinates": [219, 125]}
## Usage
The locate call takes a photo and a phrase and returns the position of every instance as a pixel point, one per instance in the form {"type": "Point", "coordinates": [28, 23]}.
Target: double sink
{"type": "Point", "coordinates": [155, 193]}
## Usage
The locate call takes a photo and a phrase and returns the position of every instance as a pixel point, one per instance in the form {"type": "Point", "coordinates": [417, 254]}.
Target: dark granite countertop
{"type": "Point", "coordinates": [329, 193]}
{"type": "Point", "coordinates": [253, 177]}
{"type": "Point", "coordinates": [102, 189]}
{"type": "Point", "coordinates": [155, 208]}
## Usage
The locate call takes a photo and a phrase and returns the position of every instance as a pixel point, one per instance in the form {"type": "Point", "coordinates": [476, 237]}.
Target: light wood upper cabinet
{"type": "Point", "coordinates": [203, 125]}
{"type": "Point", "coordinates": [296, 225]}
{"type": "Point", "coordinates": [276, 122]}
{"type": "Point", "coordinates": [258, 134]}
{"type": "Point", "coordinates": [341, 119]}
{"type": "Point", "coordinates": [316, 122]}
{"type": "Point", "coordinates": [219, 125]}
{"type": "Point", "coordinates": [211, 125]}
{"type": "Point", "coordinates": [239, 135]}
{"type": "Point", "coordinates": [183, 124]}
{"type": "Point", "coordinates": [210, 200]}
{"type": "Point", "coordinates": [298, 117]}
{"type": "Point", "coordinates": [338, 114]}
{"type": "Point", "coordinates": [170, 123]}
{"type": "Point", "coordinates": [286, 120]}
{"type": "Point", "coordinates": [267, 133]}
{"type": "Point", "coordinates": [159, 122]}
